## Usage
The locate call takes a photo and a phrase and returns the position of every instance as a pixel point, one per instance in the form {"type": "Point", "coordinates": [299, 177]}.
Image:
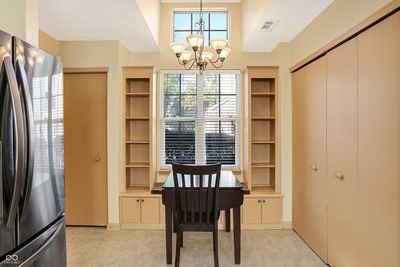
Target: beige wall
{"type": "Point", "coordinates": [335, 20]}
{"type": "Point", "coordinates": [20, 18]}
{"type": "Point", "coordinates": [49, 44]}
{"type": "Point", "coordinates": [103, 54]}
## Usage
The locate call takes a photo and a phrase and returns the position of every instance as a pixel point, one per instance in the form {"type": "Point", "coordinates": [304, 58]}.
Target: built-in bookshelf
{"type": "Point", "coordinates": [138, 135]}
{"type": "Point", "coordinates": [262, 174]}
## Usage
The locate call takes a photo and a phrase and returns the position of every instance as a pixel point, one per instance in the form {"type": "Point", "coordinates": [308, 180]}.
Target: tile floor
{"type": "Point", "coordinates": [97, 247]}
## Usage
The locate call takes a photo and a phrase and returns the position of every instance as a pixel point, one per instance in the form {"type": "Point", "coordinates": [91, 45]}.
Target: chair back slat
{"type": "Point", "coordinates": [196, 193]}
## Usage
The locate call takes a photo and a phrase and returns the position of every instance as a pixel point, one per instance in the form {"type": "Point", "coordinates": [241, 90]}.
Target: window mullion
{"type": "Point", "coordinates": [200, 131]}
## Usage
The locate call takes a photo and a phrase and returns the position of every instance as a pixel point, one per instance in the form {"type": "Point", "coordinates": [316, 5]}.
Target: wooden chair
{"type": "Point", "coordinates": [196, 198]}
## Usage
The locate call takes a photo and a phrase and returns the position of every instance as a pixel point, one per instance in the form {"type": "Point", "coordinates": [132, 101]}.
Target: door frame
{"type": "Point", "coordinates": [96, 70]}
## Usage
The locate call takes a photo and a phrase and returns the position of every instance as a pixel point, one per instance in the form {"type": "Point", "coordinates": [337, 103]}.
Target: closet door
{"type": "Point", "coordinates": [309, 155]}
{"type": "Point", "coordinates": [379, 143]}
{"type": "Point", "coordinates": [342, 154]}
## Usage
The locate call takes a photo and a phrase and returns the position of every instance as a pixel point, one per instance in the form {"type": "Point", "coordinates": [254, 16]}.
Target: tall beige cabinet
{"type": "Point", "coordinates": [346, 158]}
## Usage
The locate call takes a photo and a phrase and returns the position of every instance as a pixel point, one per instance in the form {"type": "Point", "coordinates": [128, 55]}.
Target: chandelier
{"type": "Point", "coordinates": [193, 55]}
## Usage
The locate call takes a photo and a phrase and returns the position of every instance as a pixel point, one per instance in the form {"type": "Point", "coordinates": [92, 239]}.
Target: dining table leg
{"type": "Point", "coordinates": [168, 233]}
{"type": "Point", "coordinates": [236, 233]}
{"type": "Point", "coordinates": [228, 220]}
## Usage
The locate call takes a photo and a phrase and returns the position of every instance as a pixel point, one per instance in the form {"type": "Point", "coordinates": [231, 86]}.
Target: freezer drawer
{"type": "Point", "coordinates": [48, 249]}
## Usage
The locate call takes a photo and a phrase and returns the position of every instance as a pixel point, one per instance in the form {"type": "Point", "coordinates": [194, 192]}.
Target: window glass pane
{"type": "Point", "coordinates": [218, 21]}
{"type": "Point", "coordinates": [206, 38]}
{"type": "Point", "coordinates": [171, 83]}
{"type": "Point", "coordinates": [220, 142]}
{"type": "Point", "coordinates": [171, 106]}
{"type": "Point", "coordinates": [196, 18]}
{"type": "Point", "coordinates": [228, 83]}
{"type": "Point", "coordinates": [180, 37]}
{"type": "Point", "coordinates": [228, 106]}
{"type": "Point", "coordinates": [211, 84]}
{"type": "Point", "coordinates": [211, 106]}
{"type": "Point", "coordinates": [180, 143]}
{"type": "Point", "coordinates": [188, 83]}
{"type": "Point", "coordinates": [182, 21]}
{"type": "Point", "coordinates": [219, 34]}
{"type": "Point", "coordinates": [189, 106]}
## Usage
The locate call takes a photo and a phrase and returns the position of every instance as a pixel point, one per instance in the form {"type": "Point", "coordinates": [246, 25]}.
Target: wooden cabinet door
{"type": "Point", "coordinates": [342, 155]}
{"type": "Point", "coordinates": [379, 143]}
{"type": "Point", "coordinates": [150, 209]}
{"type": "Point", "coordinates": [130, 210]}
{"type": "Point", "coordinates": [252, 211]}
{"type": "Point", "coordinates": [309, 155]}
{"type": "Point", "coordinates": [271, 211]}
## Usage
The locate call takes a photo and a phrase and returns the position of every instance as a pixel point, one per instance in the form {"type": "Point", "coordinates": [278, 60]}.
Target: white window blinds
{"type": "Point", "coordinates": [200, 118]}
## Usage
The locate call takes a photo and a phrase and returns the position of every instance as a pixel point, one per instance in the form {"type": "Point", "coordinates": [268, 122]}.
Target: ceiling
{"type": "Point", "coordinates": [79, 20]}
{"type": "Point", "coordinates": [290, 16]}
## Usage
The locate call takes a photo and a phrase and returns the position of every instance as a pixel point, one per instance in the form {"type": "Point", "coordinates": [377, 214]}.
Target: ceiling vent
{"type": "Point", "coordinates": [268, 25]}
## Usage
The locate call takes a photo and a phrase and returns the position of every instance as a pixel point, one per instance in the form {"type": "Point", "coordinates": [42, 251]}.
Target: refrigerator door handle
{"type": "Point", "coordinates": [37, 254]}
{"type": "Point", "coordinates": [26, 94]}
{"type": "Point", "coordinates": [7, 76]}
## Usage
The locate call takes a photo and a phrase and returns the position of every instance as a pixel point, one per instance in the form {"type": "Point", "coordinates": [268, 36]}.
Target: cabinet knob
{"type": "Point", "coordinates": [142, 200]}
{"type": "Point", "coordinates": [97, 158]}
{"type": "Point", "coordinates": [137, 200]}
{"type": "Point", "coordinates": [314, 167]}
{"type": "Point", "coordinates": [264, 201]}
{"type": "Point", "coordinates": [339, 175]}
{"type": "Point", "coordinates": [259, 201]}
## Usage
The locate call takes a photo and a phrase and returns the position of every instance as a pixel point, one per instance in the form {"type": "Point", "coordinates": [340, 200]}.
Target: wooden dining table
{"type": "Point", "coordinates": [230, 197]}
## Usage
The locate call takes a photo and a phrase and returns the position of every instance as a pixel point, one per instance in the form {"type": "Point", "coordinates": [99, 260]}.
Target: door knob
{"type": "Point", "coordinates": [314, 167]}
{"type": "Point", "coordinates": [97, 158]}
{"type": "Point", "coordinates": [339, 175]}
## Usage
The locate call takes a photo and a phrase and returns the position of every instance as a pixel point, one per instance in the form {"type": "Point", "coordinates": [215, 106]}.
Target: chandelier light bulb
{"type": "Point", "coordinates": [218, 44]}
{"type": "Point", "coordinates": [178, 48]}
{"type": "Point", "coordinates": [224, 53]}
{"type": "Point", "coordinates": [195, 41]}
{"type": "Point", "coordinates": [206, 55]}
{"type": "Point", "coordinates": [186, 55]}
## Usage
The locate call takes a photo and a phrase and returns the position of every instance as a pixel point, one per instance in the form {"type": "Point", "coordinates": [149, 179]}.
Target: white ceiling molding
{"type": "Point", "coordinates": [292, 17]}
{"type": "Point", "coordinates": [82, 20]}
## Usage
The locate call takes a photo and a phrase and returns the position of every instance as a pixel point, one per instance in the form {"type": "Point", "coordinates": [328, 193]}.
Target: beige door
{"type": "Point", "coordinates": [342, 155]}
{"type": "Point", "coordinates": [85, 104]}
{"type": "Point", "coordinates": [379, 143]}
{"type": "Point", "coordinates": [309, 155]}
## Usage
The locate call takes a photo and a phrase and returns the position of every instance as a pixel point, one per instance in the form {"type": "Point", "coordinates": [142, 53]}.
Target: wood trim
{"type": "Point", "coordinates": [369, 22]}
{"type": "Point", "coordinates": [86, 70]}
{"type": "Point", "coordinates": [113, 226]}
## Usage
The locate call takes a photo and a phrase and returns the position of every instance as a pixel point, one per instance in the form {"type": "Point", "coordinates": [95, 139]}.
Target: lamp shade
{"type": "Point", "coordinates": [177, 48]}
{"type": "Point", "coordinates": [206, 55]}
{"type": "Point", "coordinates": [186, 55]}
{"type": "Point", "coordinates": [225, 52]}
{"type": "Point", "coordinates": [195, 40]}
{"type": "Point", "coordinates": [218, 44]}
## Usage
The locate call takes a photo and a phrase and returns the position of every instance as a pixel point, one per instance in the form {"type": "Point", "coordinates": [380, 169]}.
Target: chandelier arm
{"type": "Point", "coordinates": [190, 65]}
{"type": "Point", "coordinates": [218, 59]}
{"type": "Point", "coordinates": [215, 66]}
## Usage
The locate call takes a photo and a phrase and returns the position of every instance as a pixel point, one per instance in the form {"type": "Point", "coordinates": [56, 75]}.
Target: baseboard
{"type": "Point", "coordinates": [113, 226]}
{"type": "Point", "coordinates": [287, 225]}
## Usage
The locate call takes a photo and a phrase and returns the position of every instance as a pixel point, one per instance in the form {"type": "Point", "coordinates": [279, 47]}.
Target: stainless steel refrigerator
{"type": "Point", "coordinates": [32, 225]}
